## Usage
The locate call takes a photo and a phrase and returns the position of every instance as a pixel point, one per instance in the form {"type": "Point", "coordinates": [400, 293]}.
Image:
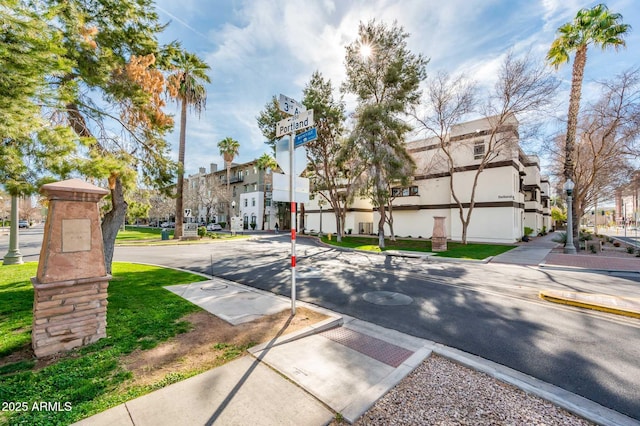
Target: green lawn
{"type": "Point", "coordinates": [136, 233]}
{"type": "Point", "coordinates": [455, 250]}
{"type": "Point", "coordinates": [141, 314]}
{"type": "Point", "coordinates": [142, 235]}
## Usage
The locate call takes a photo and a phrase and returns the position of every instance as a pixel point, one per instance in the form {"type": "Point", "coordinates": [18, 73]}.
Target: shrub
{"type": "Point", "coordinates": [202, 231]}
{"type": "Point", "coordinates": [616, 244]}
{"type": "Point", "coordinates": [561, 237]}
{"type": "Point", "coordinates": [527, 231]}
{"type": "Point", "coordinates": [630, 250]}
{"type": "Point", "coordinates": [585, 236]}
{"type": "Point", "coordinates": [253, 226]}
{"type": "Point", "coordinates": [223, 224]}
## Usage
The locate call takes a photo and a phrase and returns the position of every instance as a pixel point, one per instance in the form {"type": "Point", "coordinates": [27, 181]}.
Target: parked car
{"type": "Point", "coordinates": [214, 227]}
{"type": "Point", "coordinates": [168, 225]}
{"type": "Point", "coordinates": [23, 224]}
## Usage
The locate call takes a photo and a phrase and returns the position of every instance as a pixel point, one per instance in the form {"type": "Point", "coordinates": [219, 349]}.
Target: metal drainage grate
{"type": "Point", "coordinates": [377, 349]}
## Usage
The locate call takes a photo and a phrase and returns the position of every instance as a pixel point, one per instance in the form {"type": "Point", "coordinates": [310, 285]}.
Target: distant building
{"type": "Point", "coordinates": [249, 195]}
{"type": "Point", "coordinates": [628, 202]}
{"type": "Point", "coordinates": [510, 192]}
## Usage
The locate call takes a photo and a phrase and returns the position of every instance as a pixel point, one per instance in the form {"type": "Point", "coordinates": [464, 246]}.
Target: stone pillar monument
{"type": "Point", "coordinates": [439, 236]}
{"type": "Point", "coordinates": [70, 301]}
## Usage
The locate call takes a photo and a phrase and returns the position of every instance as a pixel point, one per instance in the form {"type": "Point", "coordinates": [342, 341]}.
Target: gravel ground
{"type": "Point", "coordinates": [442, 392]}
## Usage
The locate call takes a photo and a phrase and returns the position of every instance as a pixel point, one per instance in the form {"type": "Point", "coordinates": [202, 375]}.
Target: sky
{"type": "Point", "coordinates": [258, 49]}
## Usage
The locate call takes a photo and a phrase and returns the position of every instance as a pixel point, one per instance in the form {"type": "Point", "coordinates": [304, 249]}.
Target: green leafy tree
{"type": "Point", "coordinates": [334, 173]}
{"type": "Point", "coordinates": [229, 149]}
{"type": "Point", "coordinates": [267, 121]}
{"type": "Point", "coordinates": [187, 86]}
{"type": "Point", "coordinates": [32, 150]}
{"type": "Point", "coordinates": [265, 162]}
{"type": "Point", "coordinates": [597, 26]}
{"type": "Point", "coordinates": [115, 92]}
{"type": "Point", "coordinates": [385, 76]}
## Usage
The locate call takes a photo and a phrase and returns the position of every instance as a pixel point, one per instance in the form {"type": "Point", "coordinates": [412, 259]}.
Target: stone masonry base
{"type": "Point", "coordinates": [68, 314]}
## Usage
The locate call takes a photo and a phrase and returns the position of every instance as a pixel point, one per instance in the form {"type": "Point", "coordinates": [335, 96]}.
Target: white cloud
{"type": "Point", "coordinates": [259, 48]}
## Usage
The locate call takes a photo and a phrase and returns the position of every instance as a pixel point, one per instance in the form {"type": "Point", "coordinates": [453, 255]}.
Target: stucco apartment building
{"type": "Point", "coordinates": [510, 193]}
{"type": "Point", "coordinates": [250, 190]}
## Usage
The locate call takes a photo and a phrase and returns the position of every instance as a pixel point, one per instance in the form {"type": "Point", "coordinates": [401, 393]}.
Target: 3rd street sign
{"type": "Point", "coordinates": [290, 106]}
{"type": "Point", "coordinates": [295, 123]}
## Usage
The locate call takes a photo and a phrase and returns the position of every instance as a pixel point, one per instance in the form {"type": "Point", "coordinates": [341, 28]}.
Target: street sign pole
{"type": "Point", "coordinates": [300, 120]}
{"type": "Point", "coordinates": [292, 160]}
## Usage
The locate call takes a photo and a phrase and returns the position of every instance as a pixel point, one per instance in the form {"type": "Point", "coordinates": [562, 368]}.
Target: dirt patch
{"type": "Point", "coordinates": [211, 343]}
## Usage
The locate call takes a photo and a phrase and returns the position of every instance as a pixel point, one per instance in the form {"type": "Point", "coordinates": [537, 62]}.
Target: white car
{"type": "Point", "coordinates": [214, 227]}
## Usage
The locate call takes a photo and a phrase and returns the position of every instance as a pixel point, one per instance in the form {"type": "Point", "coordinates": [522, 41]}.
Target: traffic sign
{"type": "Point", "coordinates": [304, 137]}
{"type": "Point", "coordinates": [295, 123]}
{"type": "Point", "coordinates": [282, 185]}
{"type": "Point", "coordinates": [290, 106]}
{"type": "Point", "coordinates": [282, 157]}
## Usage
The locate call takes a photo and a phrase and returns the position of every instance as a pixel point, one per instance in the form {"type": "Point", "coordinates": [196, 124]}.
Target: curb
{"type": "Point", "coordinates": [576, 404]}
{"type": "Point", "coordinates": [628, 307]}
{"type": "Point", "coordinates": [570, 268]}
{"type": "Point", "coordinates": [409, 254]}
{"type": "Point", "coordinates": [316, 328]}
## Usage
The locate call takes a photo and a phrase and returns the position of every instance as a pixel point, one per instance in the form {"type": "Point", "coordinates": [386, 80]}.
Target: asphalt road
{"type": "Point", "coordinates": [489, 310]}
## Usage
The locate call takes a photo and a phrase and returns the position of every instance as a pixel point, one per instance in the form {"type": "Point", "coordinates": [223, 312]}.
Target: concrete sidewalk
{"type": "Point", "coordinates": [539, 252]}
{"type": "Point", "coordinates": [342, 365]}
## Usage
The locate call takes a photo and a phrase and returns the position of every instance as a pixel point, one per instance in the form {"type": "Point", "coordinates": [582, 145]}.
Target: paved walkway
{"type": "Point", "coordinates": [538, 252]}
{"type": "Point", "coordinates": [341, 365]}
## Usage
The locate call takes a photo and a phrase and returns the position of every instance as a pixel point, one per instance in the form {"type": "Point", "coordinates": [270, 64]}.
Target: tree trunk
{"type": "Point", "coordinates": [229, 193]}
{"type": "Point", "coordinates": [572, 124]}
{"type": "Point", "coordinates": [113, 220]}
{"type": "Point", "coordinates": [390, 221]}
{"type": "Point", "coordinates": [264, 208]}
{"type": "Point", "coordinates": [381, 226]}
{"type": "Point", "coordinates": [180, 186]}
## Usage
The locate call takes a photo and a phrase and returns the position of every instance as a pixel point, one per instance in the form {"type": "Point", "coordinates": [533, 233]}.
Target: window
{"type": "Point", "coordinates": [478, 150]}
{"type": "Point", "coordinates": [404, 192]}
{"type": "Point", "coordinates": [253, 202]}
{"type": "Point", "coordinates": [255, 186]}
{"type": "Point", "coordinates": [246, 202]}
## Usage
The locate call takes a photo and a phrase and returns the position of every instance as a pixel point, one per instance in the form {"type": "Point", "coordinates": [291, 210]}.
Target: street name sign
{"type": "Point", "coordinates": [304, 137]}
{"type": "Point", "coordinates": [290, 106]}
{"type": "Point", "coordinates": [295, 123]}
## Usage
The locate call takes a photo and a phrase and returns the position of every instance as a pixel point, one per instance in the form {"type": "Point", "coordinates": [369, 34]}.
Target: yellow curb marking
{"type": "Point", "coordinates": [586, 305]}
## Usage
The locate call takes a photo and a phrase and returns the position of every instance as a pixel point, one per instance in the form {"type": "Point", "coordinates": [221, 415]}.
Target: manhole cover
{"type": "Point", "coordinates": [213, 287]}
{"type": "Point", "coordinates": [388, 298]}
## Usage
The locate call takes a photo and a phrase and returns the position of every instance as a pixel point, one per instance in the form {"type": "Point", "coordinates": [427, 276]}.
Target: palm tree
{"type": "Point", "coordinates": [186, 86]}
{"type": "Point", "coordinates": [229, 148]}
{"type": "Point", "coordinates": [264, 162]}
{"type": "Point", "coordinates": [595, 26]}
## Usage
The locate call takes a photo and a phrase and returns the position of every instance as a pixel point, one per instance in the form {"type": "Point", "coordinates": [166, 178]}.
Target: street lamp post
{"type": "Point", "coordinates": [569, 248]}
{"type": "Point", "coordinates": [13, 256]}
{"type": "Point", "coordinates": [320, 204]}
{"type": "Point", "coordinates": [233, 207]}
